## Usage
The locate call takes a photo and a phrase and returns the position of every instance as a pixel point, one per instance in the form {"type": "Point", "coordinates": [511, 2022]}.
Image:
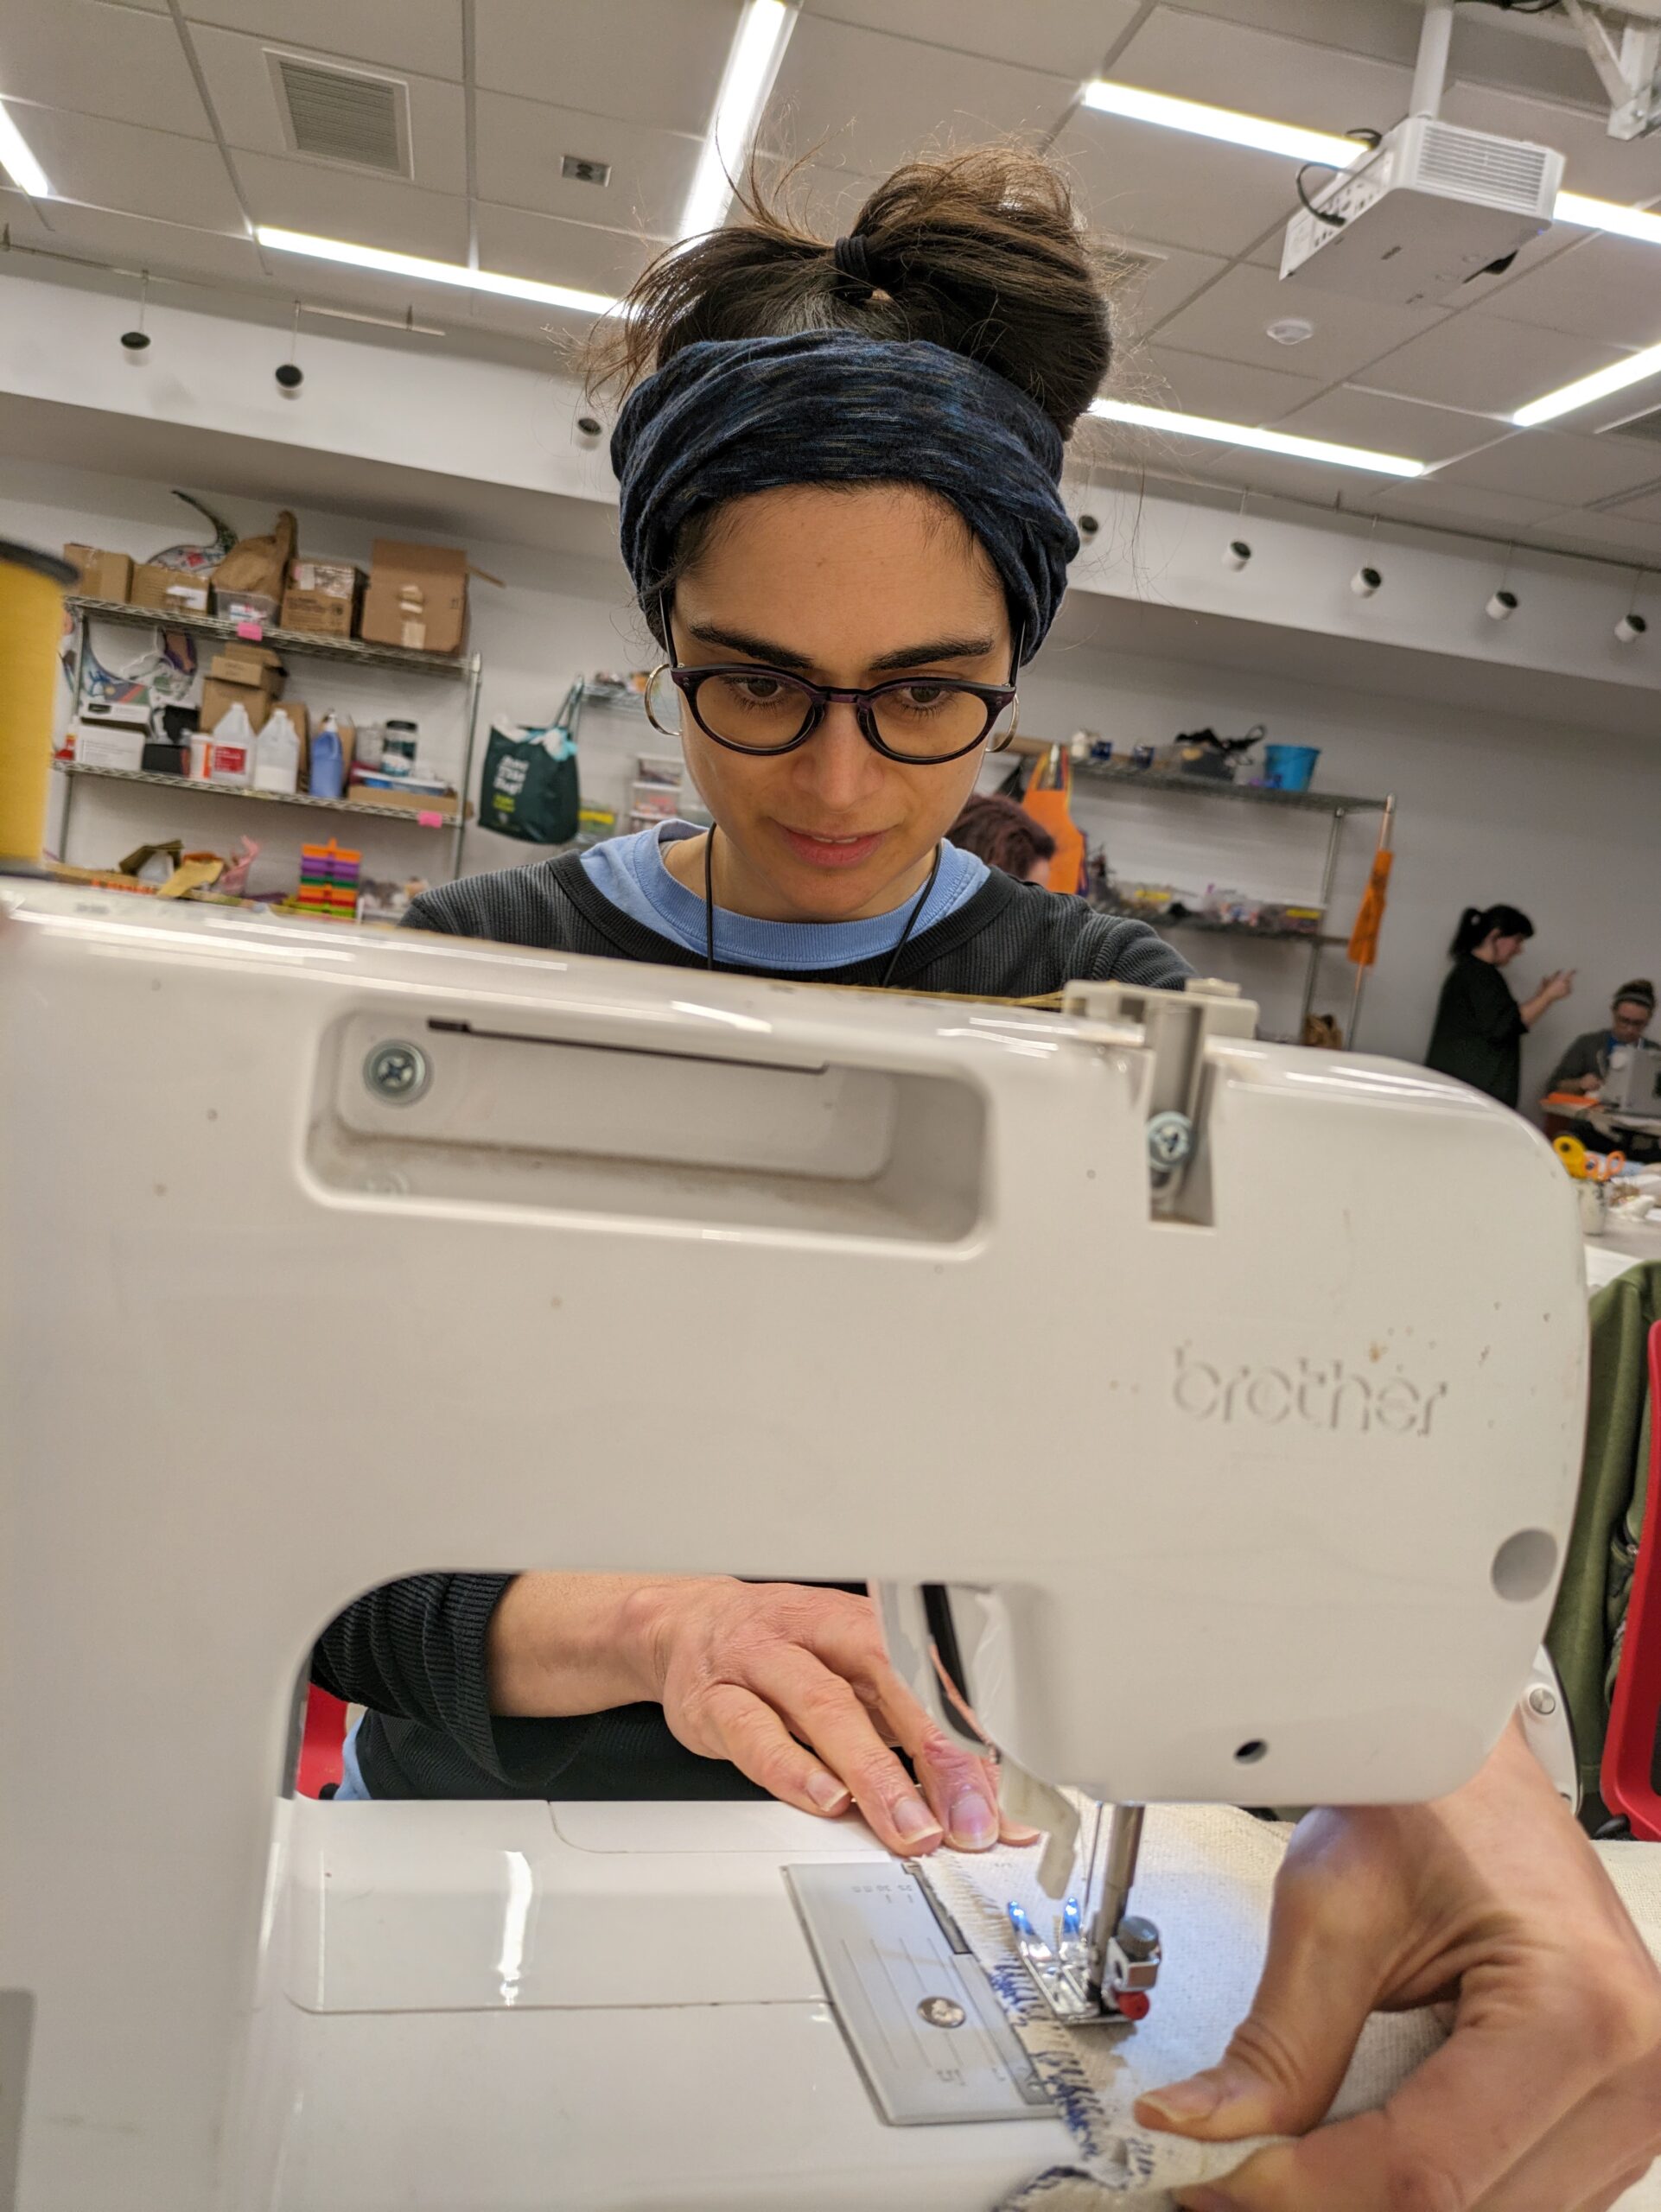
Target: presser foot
{"type": "Point", "coordinates": [1079, 1990]}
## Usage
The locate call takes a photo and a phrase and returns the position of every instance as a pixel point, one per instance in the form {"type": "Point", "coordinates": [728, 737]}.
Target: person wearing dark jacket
{"type": "Point", "coordinates": [1480, 1026]}
{"type": "Point", "coordinates": [1588, 1060]}
{"type": "Point", "coordinates": [840, 506]}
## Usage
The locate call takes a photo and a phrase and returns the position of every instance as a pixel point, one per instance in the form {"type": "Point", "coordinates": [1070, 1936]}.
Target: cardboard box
{"type": "Point", "coordinates": [441, 802]}
{"type": "Point", "coordinates": [321, 597]}
{"type": "Point", "coordinates": [417, 597]}
{"type": "Point", "coordinates": [175, 591]}
{"type": "Point", "coordinates": [241, 675]}
{"type": "Point", "coordinates": [103, 575]}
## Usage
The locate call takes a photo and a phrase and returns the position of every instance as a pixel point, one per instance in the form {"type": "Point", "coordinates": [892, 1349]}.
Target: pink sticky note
{"type": "Point", "coordinates": [254, 629]}
{"type": "Point", "coordinates": [430, 821]}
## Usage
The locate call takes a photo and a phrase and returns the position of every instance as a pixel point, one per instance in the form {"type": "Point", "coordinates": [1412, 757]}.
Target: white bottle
{"type": "Point", "coordinates": [230, 750]}
{"type": "Point", "coordinates": [276, 755]}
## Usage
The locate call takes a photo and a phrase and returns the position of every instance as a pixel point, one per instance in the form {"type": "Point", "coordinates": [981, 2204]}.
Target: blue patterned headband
{"type": "Point", "coordinates": [725, 417]}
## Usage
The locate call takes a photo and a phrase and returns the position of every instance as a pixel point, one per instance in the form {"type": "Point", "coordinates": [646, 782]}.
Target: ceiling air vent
{"type": "Point", "coordinates": [352, 117]}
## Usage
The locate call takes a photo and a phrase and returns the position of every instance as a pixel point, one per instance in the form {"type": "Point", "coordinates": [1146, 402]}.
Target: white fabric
{"type": "Point", "coordinates": [1205, 1877]}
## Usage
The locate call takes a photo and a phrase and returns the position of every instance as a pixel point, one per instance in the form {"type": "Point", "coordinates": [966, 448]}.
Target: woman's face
{"type": "Point", "coordinates": [850, 588]}
{"type": "Point", "coordinates": [1506, 949]}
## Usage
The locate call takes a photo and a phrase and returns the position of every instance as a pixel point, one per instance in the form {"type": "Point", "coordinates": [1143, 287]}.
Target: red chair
{"type": "Point", "coordinates": [322, 1742]}
{"type": "Point", "coordinates": [1631, 1749]}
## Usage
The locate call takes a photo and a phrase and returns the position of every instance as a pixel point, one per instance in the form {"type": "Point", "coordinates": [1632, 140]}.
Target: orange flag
{"type": "Point", "coordinates": [1364, 938]}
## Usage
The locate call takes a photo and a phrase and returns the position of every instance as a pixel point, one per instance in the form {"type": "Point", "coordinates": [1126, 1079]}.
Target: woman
{"type": "Point", "coordinates": [839, 470]}
{"type": "Point", "coordinates": [1480, 1026]}
{"type": "Point", "coordinates": [1005, 836]}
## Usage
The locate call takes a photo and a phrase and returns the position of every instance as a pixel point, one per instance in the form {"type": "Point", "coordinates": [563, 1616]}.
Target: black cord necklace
{"type": "Point", "coordinates": [918, 905]}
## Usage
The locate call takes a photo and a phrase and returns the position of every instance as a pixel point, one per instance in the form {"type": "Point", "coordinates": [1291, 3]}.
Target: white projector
{"type": "Point", "coordinates": [1433, 207]}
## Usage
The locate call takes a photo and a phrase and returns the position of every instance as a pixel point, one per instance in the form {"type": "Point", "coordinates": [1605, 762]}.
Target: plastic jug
{"type": "Point", "coordinates": [231, 751]}
{"type": "Point", "coordinates": [276, 755]}
{"type": "Point", "coordinates": [327, 760]}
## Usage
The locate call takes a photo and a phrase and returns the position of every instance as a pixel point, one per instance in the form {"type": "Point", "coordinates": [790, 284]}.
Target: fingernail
{"type": "Point", "coordinates": [972, 1825]}
{"type": "Point", "coordinates": [913, 1819]}
{"type": "Point", "coordinates": [827, 1793]}
{"type": "Point", "coordinates": [1014, 1832]}
{"type": "Point", "coordinates": [1183, 2102]}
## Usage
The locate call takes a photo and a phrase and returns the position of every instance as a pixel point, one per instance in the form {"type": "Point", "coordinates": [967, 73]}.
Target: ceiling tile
{"type": "Point", "coordinates": [336, 203]}
{"type": "Point", "coordinates": [522, 142]}
{"type": "Point", "coordinates": [1402, 426]}
{"type": "Point", "coordinates": [1231, 320]}
{"type": "Point", "coordinates": [1602, 287]}
{"type": "Point", "coordinates": [657, 61]}
{"type": "Point", "coordinates": [1139, 182]}
{"type": "Point", "coordinates": [173, 249]}
{"type": "Point", "coordinates": [1645, 508]}
{"type": "Point", "coordinates": [1476, 361]}
{"type": "Point", "coordinates": [1557, 466]}
{"type": "Point", "coordinates": [1067, 37]}
{"type": "Point", "coordinates": [1293, 79]}
{"type": "Point", "coordinates": [144, 172]}
{"type": "Point", "coordinates": [240, 86]}
{"type": "Point", "coordinates": [424, 34]}
{"type": "Point", "coordinates": [1158, 279]}
{"type": "Point", "coordinates": [1610, 168]}
{"type": "Point", "coordinates": [558, 253]}
{"type": "Point", "coordinates": [1197, 385]}
{"type": "Point", "coordinates": [875, 100]}
{"type": "Point", "coordinates": [1461, 506]}
{"type": "Point", "coordinates": [97, 60]}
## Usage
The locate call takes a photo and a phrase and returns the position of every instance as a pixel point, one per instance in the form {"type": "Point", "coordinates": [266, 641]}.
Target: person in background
{"type": "Point", "coordinates": [1480, 1026]}
{"type": "Point", "coordinates": [1588, 1060]}
{"type": "Point", "coordinates": [1005, 836]}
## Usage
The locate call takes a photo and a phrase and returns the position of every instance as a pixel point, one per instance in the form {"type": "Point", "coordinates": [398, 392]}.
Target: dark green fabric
{"type": "Point", "coordinates": [1479, 1031]}
{"type": "Point", "coordinates": [1591, 1608]}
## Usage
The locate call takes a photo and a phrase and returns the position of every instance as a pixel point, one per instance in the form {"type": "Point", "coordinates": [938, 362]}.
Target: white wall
{"type": "Point", "coordinates": [1490, 807]}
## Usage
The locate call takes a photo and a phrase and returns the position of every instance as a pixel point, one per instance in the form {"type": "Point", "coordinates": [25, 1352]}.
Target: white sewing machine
{"type": "Point", "coordinates": [1221, 1402]}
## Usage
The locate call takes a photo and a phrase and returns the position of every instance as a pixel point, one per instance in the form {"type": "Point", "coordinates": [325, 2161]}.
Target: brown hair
{"type": "Point", "coordinates": [1002, 833]}
{"type": "Point", "coordinates": [981, 253]}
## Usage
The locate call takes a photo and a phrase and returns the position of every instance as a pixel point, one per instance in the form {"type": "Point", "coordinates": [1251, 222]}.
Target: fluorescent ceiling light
{"type": "Point", "coordinates": [1224, 123]}
{"type": "Point", "coordinates": [18, 162]}
{"type": "Point", "coordinates": [1585, 390]}
{"type": "Point", "coordinates": [437, 272]}
{"type": "Point", "coordinates": [1612, 215]}
{"type": "Point", "coordinates": [1177, 424]}
{"type": "Point", "coordinates": [758, 47]}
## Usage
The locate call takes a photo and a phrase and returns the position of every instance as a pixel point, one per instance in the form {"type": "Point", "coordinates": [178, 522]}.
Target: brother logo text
{"type": "Point", "coordinates": [1330, 1397]}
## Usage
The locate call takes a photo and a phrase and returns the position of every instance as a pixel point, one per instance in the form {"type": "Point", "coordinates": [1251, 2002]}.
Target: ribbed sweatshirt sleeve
{"type": "Point", "coordinates": [416, 1650]}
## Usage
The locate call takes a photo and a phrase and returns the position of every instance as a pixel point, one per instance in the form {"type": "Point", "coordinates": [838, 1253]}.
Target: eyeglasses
{"type": "Point", "coordinates": [922, 720]}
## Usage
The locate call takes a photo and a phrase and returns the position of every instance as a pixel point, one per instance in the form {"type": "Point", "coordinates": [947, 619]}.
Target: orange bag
{"type": "Point", "coordinates": [1049, 788]}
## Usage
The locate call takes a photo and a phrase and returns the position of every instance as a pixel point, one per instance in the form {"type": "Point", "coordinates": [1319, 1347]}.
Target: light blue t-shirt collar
{"type": "Point", "coordinates": [630, 872]}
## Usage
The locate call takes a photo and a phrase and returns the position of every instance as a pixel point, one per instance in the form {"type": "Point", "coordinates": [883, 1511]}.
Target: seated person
{"type": "Point", "coordinates": [1005, 836]}
{"type": "Point", "coordinates": [1587, 1061]}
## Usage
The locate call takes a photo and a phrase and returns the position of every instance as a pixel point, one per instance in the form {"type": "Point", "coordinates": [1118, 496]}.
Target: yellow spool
{"type": "Point", "coordinates": [1572, 1152]}
{"type": "Point", "coordinates": [32, 586]}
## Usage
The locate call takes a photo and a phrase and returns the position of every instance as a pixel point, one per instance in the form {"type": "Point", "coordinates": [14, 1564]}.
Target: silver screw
{"type": "Point", "coordinates": [397, 1073]}
{"type": "Point", "coordinates": [1542, 1702]}
{"type": "Point", "coordinates": [1170, 1140]}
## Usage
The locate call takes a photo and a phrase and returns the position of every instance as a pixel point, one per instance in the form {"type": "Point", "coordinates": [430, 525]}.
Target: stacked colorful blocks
{"type": "Point", "coordinates": [328, 880]}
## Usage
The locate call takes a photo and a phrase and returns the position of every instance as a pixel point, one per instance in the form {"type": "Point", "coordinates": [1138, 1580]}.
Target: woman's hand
{"type": "Point", "coordinates": [1557, 985]}
{"type": "Point", "coordinates": [1546, 2096]}
{"type": "Point", "coordinates": [791, 1683]}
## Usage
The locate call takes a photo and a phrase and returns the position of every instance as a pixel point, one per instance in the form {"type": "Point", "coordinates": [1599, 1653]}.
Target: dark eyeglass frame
{"type": "Point", "coordinates": [689, 681]}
